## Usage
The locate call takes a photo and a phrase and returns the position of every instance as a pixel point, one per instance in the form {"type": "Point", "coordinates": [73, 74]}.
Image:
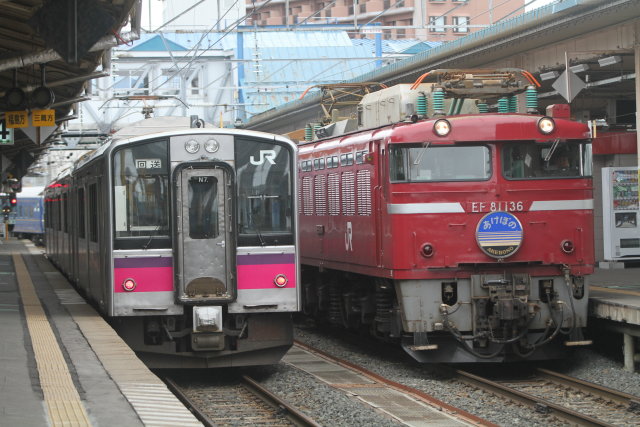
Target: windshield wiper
{"type": "Point", "coordinates": [552, 150]}
{"type": "Point", "coordinates": [418, 159]}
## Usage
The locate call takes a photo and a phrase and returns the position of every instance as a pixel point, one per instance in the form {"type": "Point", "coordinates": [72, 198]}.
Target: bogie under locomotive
{"type": "Point", "coordinates": [466, 238]}
{"type": "Point", "coordinates": [185, 241]}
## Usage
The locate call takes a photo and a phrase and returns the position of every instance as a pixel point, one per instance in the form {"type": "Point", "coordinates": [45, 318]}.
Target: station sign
{"type": "Point", "coordinates": [40, 118]}
{"type": "Point", "coordinates": [16, 119]}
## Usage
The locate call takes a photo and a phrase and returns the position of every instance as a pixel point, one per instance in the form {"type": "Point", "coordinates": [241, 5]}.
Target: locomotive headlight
{"type": "Point", "coordinates": [129, 285]}
{"type": "Point", "coordinates": [211, 146]}
{"type": "Point", "coordinates": [192, 146]}
{"type": "Point", "coordinates": [442, 127]}
{"type": "Point", "coordinates": [280, 280]}
{"type": "Point", "coordinates": [567, 246]}
{"type": "Point", "coordinates": [546, 125]}
{"type": "Point", "coordinates": [427, 250]}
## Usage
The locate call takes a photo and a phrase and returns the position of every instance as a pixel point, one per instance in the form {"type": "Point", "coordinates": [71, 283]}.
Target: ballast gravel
{"type": "Point", "coordinates": [331, 407]}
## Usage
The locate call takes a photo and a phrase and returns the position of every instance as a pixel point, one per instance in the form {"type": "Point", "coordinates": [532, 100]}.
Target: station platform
{"type": "Point", "coordinates": [61, 364]}
{"type": "Point", "coordinates": [614, 300]}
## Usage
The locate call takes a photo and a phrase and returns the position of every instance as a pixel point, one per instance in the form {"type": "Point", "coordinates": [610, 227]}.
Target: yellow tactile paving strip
{"type": "Point", "coordinates": [148, 395]}
{"type": "Point", "coordinates": [62, 400]}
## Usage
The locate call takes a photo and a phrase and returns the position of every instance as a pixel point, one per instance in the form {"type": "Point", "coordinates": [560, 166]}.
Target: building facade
{"type": "Point", "coordinates": [432, 20]}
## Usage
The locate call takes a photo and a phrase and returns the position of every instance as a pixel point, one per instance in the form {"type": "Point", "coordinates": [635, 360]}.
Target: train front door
{"type": "Point", "coordinates": [204, 235]}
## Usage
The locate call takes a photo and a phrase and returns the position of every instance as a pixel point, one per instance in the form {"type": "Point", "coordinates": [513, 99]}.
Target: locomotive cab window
{"type": "Point", "coordinates": [265, 193]}
{"type": "Point", "coordinates": [141, 196]}
{"type": "Point", "coordinates": [554, 159]}
{"type": "Point", "coordinates": [426, 163]}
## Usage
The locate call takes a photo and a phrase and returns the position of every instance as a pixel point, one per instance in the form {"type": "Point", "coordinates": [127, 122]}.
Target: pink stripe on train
{"type": "Point", "coordinates": [148, 279]}
{"type": "Point", "coordinates": [262, 276]}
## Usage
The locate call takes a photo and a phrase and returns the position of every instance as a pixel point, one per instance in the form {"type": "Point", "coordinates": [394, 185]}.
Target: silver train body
{"type": "Point", "coordinates": [186, 242]}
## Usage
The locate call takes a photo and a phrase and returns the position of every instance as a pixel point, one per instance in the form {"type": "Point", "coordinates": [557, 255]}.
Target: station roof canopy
{"type": "Point", "coordinates": [46, 44]}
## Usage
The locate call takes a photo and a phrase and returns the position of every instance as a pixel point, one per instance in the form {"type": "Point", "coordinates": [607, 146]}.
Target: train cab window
{"type": "Point", "coordinates": [141, 196]}
{"type": "Point", "coordinates": [203, 207]}
{"type": "Point", "coordinates": [265, 193]}
{"type": "Point", "coordinates": [554, 159]}
{"type": "Point", "coordinates": [428, 163]}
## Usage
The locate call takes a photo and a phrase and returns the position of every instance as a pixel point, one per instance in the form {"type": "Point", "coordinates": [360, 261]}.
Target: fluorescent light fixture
{"type": "Point", "coordinates": [548, 75]}
{"type": "Point", "coordinates": [609, 60]}
{"type": "Point", "coordinates": [580, 68]}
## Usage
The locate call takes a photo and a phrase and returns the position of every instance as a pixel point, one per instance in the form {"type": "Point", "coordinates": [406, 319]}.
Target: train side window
{"type": "Point", "coordinates": [318, 164]}
{"type": "Point", "coordinates": [93, 212]}
{"type": "Point", "coordinates": [65, 206]}
{"type": "Point", "coordinates": [81, 215]}
{"type": "Point", "coordinates": [346, 159]}
{"type": "Point", "coordinates": [360, 157]}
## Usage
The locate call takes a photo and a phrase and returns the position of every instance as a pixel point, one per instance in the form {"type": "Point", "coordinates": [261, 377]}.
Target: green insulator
{"type": "Point", "coordinates": [483, 107]}
{"type": "Point", "coordinates": [531, 96]}
{"type": "Point", "coordinates": [308, 133]}
{"type": "Point", "coordinates": [513, 104]}
{"type": "Point", "coordinates": [437, 97]}
{"type": "Point", "coordinates": [422, 104]}
{"type": "Point", "coordinates": [503, 105]}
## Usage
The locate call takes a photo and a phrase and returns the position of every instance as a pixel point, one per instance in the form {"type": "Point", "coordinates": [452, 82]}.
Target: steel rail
{"type": "Point", "coordinates": [632, 402]}
{"type": "Point", "coordinates": [539, 404]}
{"type": "Point", "coordinates": [292, 413]}
{"type": "Point", "coordinates": [175, 389]}
{"type": "Point", "coordinates": [417, 394]}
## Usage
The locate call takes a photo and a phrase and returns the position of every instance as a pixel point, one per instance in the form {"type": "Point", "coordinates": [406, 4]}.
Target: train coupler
{"type": "Point", "coordinates": [207, 328]}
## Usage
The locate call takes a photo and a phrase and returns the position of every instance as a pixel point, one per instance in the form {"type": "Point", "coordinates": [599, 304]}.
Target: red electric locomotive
{"type": "Point", "coordinates": [466, 236]}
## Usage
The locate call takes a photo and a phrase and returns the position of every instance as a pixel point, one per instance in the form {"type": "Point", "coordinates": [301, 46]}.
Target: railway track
{"type": "Point", "coordinates": [239, 401]}
{"type": "Point", "coordinates": [566, 398]}
{"type": "Point", "coordinates": [405, 404]}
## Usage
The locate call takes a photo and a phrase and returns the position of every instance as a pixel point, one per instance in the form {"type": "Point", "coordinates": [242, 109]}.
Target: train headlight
{"type": "Point", "coordinates": [192, 146]}
{"type": "Point", "coordinates": [280, 280]}
{"type": "Point", "coordinates": [211, 146]}
{"type": "Point", "coordinates": [567, 246]}
{"type": "Point", "coordinates": [546, 125]}
{"type": "Point", "coordinates": [427, 250]}
{"type": "Point", "coordinates": [129, 285]}
{"type": "Point", "coordinates": [442, 127]}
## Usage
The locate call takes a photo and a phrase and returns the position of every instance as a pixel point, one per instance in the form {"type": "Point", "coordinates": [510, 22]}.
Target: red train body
{"type": "Point", "coordinates": [469, 245]}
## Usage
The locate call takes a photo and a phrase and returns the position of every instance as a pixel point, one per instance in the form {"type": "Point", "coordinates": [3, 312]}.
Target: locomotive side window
{"type": "Point", "coordinates": [557, 159]}
{"type": "Point", "coordinates": [426, 163]}
{"type": "Point", "coordinates": [141, 196]}
{"type": "Point", "coordinates": [265, 193]}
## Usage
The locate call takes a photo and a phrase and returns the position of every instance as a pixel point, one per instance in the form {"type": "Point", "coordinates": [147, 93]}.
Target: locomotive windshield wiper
{"type": "Point", "coordinates": [552, 150]}
{"type": "Point", "coordinates": [418, 159]}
